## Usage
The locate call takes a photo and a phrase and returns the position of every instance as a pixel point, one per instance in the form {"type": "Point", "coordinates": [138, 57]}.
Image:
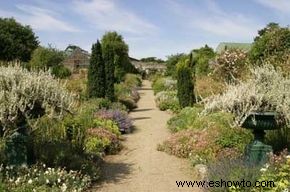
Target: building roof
{"type": "Point", "coordinates": [229, 45]}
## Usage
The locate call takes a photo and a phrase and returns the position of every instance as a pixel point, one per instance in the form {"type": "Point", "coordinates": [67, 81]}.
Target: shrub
{"type": "Point", "coordinates": [101, 140]}
{"type": "Point", "coordinates": [266, 90]}
{"type": "Point", "coordinates": [132, 80]}
{"type": "Point", "coordinates": [40, 178]}
{"type": "Point", "coordinates": [78, 87]}
{"type": "Point", "coordinates": [185, 87]}
{"type": "Point", "coordinates": [61, 72]}
{"type": "Point", "coordinates": [96, 73]}
{"type": "Point", "coordinates": [167, 100]}
{"type": "Point", "coordinates": [184, 119]}
{"type": "Point", "coordinates": [164, 84]}
{"type": "Point", "coordinates": [120, 117]}
{"type": "Point", "coordinates": [26, 94]}
{"type": "Point", "coordinates": [206, 86]}
{"type": "Point", "coordinates": [205, 138]}
{"type": "Point", "coordinates": [230, 64]}
{"type": "Point", "coordinates": [278, 170]}
{"type": "Point", "coordinates": [232, 169]}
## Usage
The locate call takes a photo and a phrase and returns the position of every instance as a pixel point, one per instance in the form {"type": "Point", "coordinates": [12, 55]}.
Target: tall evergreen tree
{"type": "Point", "coordinates": [96, 73]}
{"type": "Point", "coordinates": [185, 86]}
{"type": "Point", "coordinates": [108, 55]}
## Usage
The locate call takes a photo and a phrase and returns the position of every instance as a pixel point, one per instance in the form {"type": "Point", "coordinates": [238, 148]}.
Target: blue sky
{"type": "Point", "coordinates": [150, 27]}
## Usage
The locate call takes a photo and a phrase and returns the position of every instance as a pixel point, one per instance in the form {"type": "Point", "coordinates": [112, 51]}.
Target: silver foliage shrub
{"type": "Point", "coordinates": [266, 90]}
{"type": "Point", "coordinates": [22, 90]}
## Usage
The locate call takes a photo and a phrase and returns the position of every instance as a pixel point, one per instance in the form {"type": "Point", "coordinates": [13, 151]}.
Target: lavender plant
{"type": "Point", "coordinates": [120, 117]}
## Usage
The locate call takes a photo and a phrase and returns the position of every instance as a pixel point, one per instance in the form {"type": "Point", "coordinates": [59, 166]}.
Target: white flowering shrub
{"type": "Point", "coordinates": [25, 94]}
{"type": "Point", "coordinates": [229, 64]}
{"type": "Point", "coordinates": [267, 90]}
{"type": "Point", "coordinates": [42, 178]}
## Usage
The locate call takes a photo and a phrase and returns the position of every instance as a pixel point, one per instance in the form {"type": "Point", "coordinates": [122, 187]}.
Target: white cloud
{"type": "Point", "coordinates": [108, 15]}
{"type": "Point", "coordinates": [213, 20]}
{"type": "Point", "coordinates": [279, 5]}
{"type": "Point", "coordinates": [39, 18]}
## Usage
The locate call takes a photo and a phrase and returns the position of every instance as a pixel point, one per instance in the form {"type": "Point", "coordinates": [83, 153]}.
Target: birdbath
{"type": "Point", "coordinates": [257, 151]}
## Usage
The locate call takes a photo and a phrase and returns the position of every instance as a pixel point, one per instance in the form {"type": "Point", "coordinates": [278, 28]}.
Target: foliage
{"type": "Point", "coordinates": [77, 86]}
{"type": "Point", "coordinates": [152, 59]}
{"type": "Point", "coordinates": [120, 117]}
{"type": "Point", "coordinates": [132, 80]}
{"type": "Point", "coordinates": [119, 54]}
{"type": "Point", "coordinates": [101, 140]}
{"type": "Point", "coordinates": [61, 72]}
{"type": "Point", "coordinates": [42, 178]}
{"type": "Point", "coordinates": [230, 64]}
{"type": "Point", "coordinates": [167, 100]}
{"type": "Point", "coordinates": [278, 170]}
{"type": "Point", "coordinates": [171, 63]}
{"type": "Point", "coordinates": [206, 86]}
{"type": "Point", "coordinates": [96, 73]}
{"type": "Point", "coordinates": [184, 119]}
{"type": "Point", "coordinates": [278, 139]}
{"type": "Point", "coordinates": [108, 55]}
{"type": "Point", "coordinates": [17, 41]}
{"type": "Point", "coordinates": [28, 94]}
{"type": "Point", "coordinates": [127, 95]}
{"type": "Point", "coordinates": [164, 84]}
{"type": "Point", "coordinates": [266, 90]}
{"type": "Point", "coordinates": [205, 138]}
{"type": "Point", "coordinates": [272, 46]}
{"type": "Point", "coordinates": [185, 87]}
{"type": "Point", "coordinates": [232, 169]}
{"type": "Point", "coordinates": [201, 58]}
{"type": "Point", "coordinates": [49, 58]}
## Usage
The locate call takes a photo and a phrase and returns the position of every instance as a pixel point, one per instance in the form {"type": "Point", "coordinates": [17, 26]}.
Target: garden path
{"type": "Point", "coordinates": [140, 167]}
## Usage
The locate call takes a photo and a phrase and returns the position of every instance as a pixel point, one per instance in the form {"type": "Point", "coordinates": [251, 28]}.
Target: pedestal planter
{"type": "Point", "coordinates": [256, 152]}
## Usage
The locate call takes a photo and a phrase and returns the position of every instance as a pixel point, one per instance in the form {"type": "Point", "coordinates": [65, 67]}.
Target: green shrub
{"type": "Point", "coordinates": [132, 80]}
{"type": "Point", "coordinates": [101, 140]}
{"type": "Point", "coordinates": [61, 72]}
{"type": "Point", "coordinates": [205, 138]}
{"type": "Point", "coordinates": [232, 170]}
{"type": "Point", "coordinates": [184, 119]}
{"type": "Point", "coordinates": [164, 84]}
{"type": "Point", "coordinates": [278, 170]}
{"type": "Point", "coordinates": [278, 139]}
{"type": "Point", "coordinates": [167, 100]}
{"type": "Point", "coordinates": [185, 86]}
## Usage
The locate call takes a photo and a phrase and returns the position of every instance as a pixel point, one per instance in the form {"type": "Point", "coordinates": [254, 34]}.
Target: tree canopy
{"type": "Point", "coordinates": [16, 41]}
{"type": "Point", "coordinates": [201, 58]}
{"type": "Point", "coordinates": [120, 53]}
{"type": "Point", "coordinates": [272, 46]}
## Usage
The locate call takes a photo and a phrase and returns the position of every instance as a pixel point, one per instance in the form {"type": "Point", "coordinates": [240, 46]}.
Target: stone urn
{"type": "Point", "coordinates": [257, 151]}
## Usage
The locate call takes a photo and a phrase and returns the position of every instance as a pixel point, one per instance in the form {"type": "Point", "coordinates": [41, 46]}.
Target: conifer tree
{"type": "Point", "coordinates": [108, 56]}
{"type": "Point", "coordinates": [185, 86]}
{"type": "Point", "coordinates": [96, 73]}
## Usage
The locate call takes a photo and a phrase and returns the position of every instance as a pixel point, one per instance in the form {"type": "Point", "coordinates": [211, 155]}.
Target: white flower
{"type": "Point", "coordinates": [29, 181]}
{"type": "Point", "coordinates": [63, 187]}
{"type": "Point", "coordinates": [17, 181]}
{"type": "Point", "coordinates": [288, 156]}
{"type": "Point", "coordinates": [47, 181]}
{"type": "Point", "coordinates": [58, 180]}
{"type": "Point", "coordinates": [263, 169]}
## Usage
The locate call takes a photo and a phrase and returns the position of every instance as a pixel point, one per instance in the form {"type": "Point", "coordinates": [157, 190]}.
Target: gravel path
{"type": "Point", "coordinates": [140, 167]}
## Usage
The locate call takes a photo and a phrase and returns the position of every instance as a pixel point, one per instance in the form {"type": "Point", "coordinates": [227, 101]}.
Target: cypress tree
{"type": "Point", "coordinates": [185, 87]}
{"type": "Point", "coordinates": [108, 55]}
{"type": "Point", "coordinates": [96, 73]}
